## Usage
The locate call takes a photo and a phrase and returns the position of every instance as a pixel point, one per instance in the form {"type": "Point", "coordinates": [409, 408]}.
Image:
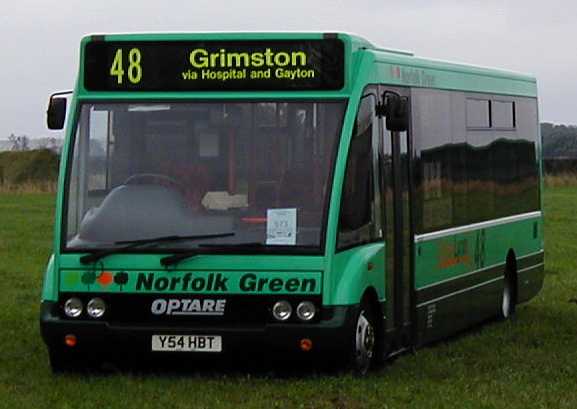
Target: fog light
{"type": "Point", "coordinates": [73, 307]}
{"type": "Point", "coordinates": [70, 340]}
{"type": "Point", "coordinates": [96, 308]}
{"type": "Point", "coordinates": [282, 310]}
{"type": "Point", "coordinates": [306, 311]}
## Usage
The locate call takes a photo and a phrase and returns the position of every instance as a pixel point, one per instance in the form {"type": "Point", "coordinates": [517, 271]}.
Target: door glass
{"type": "Point", "coordinates": [360, 219]}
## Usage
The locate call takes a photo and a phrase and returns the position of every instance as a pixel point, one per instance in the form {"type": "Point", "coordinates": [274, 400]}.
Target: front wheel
{"type": "Point", "coordinates": [363, 349]}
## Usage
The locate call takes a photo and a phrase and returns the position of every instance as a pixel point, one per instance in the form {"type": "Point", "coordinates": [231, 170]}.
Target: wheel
{"type": "Point", "coordinates": [363, 346]}
{"type": "Point", "coordinates": [507, 300]}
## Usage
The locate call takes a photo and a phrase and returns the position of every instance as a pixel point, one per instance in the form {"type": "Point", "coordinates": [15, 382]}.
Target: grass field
{"type": "Point", "coordinates": [530, 362]}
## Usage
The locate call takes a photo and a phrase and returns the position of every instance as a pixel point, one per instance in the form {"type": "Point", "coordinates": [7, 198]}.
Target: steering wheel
{"type": "Point", "coordinates": [141, 178]}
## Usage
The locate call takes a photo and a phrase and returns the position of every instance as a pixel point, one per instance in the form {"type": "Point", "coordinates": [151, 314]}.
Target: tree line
{"type": "Point", "coordinates": [18, 143]}
{"type": "Point", "coordinates": [559, 141]}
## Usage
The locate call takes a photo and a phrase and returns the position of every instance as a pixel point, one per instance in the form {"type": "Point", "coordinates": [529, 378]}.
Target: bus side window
{"type": "Point", "coordinates": [433, 134]}
{"type": "Point", "coordinates": [360, 212]}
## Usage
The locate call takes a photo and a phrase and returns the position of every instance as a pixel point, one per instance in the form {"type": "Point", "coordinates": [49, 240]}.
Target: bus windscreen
{"type": "Point", "coordinates": [233, 172]}
{"type": "Point", "coordinates": [301, 65]}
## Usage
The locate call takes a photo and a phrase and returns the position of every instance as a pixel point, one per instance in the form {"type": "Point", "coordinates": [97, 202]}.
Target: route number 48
{"type": "Point", "coordinates": [134, 68]}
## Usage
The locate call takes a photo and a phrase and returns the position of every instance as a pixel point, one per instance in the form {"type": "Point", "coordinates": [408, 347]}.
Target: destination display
{"type": "Point", "coordinates": [214, 65]}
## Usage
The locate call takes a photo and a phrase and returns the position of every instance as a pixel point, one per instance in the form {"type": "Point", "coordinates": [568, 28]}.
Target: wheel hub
{"type": "Point", "coordinates": [365, 338]}
{"type": "Point", "coordinates": [506, 305]}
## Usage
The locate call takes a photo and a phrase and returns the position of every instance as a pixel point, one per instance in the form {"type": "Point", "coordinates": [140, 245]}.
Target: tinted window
{"type": "Point", "coordinates": [480, 186]}
{"type": "Point", "coordinates": [467, 174]}
{"type": "Point", "coordinates": [526, 188]}
{"type": "Point", "coordinates": [432, 133]}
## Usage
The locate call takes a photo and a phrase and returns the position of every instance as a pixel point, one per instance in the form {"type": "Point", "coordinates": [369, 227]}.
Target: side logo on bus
{"type": "Point", "coordinates": [188, 306]}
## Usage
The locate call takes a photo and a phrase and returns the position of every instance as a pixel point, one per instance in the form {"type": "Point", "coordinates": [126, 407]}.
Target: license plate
{"type": "Point", "coordinates": [187, 343]}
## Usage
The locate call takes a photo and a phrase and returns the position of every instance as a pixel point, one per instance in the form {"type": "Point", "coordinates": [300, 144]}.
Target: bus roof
{"type": "Point", "coordinates": [369, 63]}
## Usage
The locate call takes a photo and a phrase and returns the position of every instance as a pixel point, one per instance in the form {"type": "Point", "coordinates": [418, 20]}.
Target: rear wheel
{"type": "Point", "coordinates": [507, 300]}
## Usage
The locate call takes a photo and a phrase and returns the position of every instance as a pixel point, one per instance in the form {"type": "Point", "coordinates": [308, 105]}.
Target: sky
{"type": "Point", "coordinates": [40, 39]}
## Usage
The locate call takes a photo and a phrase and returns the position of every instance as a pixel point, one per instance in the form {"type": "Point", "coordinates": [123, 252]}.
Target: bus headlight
{"type": "Point", "coordinates": [306, 311]}
{"type": "Point", "coordinates": [73, 307]}
{"type": "Point", "coordinates": [96, 307]}
{"type": "Point", "coordinates": [282, 310]}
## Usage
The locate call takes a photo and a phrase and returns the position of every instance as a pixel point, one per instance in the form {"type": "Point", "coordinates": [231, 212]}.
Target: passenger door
{"type": "Point", "coordinates": [396, 177]}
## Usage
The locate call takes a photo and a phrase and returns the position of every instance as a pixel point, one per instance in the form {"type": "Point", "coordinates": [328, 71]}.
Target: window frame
{"type": "Point", "coordinates": [377, 214]}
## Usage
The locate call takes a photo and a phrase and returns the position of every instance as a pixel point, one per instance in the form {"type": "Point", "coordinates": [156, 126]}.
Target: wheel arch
{"type": "Point", "coordinates": [371, 296]}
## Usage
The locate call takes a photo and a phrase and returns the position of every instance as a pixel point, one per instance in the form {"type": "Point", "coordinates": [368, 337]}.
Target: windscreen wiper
{"type": "Point", "coordinates": [176, 258]}
{"type": "Point", "coordinates": [131, 244]}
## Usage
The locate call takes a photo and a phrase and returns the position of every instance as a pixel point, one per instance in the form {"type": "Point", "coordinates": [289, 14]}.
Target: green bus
{"type": "Point", "coordinates": [297, 193]}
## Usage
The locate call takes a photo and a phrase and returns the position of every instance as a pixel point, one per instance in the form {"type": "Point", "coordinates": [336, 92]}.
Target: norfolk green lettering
{"type": "Point", "coordinates": [251, 283]}
{"type": "Point", "coordinates": [226, 282]}
{"type": "Point", "coordinates": [216, 282]}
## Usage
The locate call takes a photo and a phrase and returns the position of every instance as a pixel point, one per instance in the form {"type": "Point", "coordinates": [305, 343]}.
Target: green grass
{"type": "Point", "coordinates": [530, 362]}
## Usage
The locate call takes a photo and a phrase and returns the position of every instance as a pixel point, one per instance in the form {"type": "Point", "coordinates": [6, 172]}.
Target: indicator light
{"type": "Point", "coordinates": [306, 344]}
{"type": "Point", "coordinates": [70, 340]}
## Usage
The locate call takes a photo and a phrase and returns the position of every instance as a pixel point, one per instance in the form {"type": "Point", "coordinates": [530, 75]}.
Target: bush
{"type": "Point", "coordinates": [28, 168]}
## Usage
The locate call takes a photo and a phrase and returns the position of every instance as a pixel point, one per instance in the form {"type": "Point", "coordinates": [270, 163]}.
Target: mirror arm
{"type": "Point", "coordinates": [60, 93]}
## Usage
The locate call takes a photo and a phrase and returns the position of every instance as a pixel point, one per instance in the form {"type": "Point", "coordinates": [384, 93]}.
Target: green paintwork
{"type": "Point", "coordinates": [454, 255]}
{"type": "Point", "coordinates": [344, 275]}
{"type": "Point", "coordinates": [358, 269]}
{"type": "Point", "coordinates": [418, 72]}
{"type": "Point", "coordinates": [49, 290]}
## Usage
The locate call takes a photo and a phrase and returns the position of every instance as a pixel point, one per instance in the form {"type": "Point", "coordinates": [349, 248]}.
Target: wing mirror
{"type": "Point", "coordinates": [395, 109]}
{"type": "Point", "coordinates": [56, 113]}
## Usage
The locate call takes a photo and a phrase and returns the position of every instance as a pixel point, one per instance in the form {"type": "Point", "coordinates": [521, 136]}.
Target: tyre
{"type": "Point", "coordinates": [507, 309]}
{"type": "Point", "coordinates": [363, 353]}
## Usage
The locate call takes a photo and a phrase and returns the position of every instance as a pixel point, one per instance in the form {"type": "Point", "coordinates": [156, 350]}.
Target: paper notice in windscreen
{"type": "Point", "coordinates": [281, 226]}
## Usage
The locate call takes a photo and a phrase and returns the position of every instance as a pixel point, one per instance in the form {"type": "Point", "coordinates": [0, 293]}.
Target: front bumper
{"type": "Point", "coordinates": [330, 336]}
